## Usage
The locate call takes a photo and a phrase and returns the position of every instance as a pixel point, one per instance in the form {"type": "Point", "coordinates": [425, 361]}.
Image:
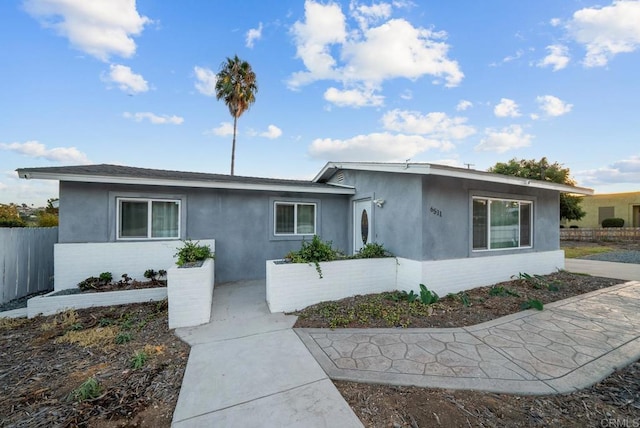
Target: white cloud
{"type": "Point", "coordinates": [225, 129]}
{"type": "Point", "coordinates": [324, 26]}
{"type": "Point", "coordinates": [463, 105]}
{"type": "Point", "coordinates": [375, 147]}
{"type": "Point", "coordinates": [34, 149]}
{"type": "Point", "coordinates": [127, 80]}
{"type": "Point", "coordinates": [367, 15]}
{"type": "Point", "coordinates": [154, 118]}
{"type": "Point", "coordinates": [206, 81]}
{"type": "Point", "coordinates": [558, 57]}
{"type": "Point", "coordinates": [553, 106]}
{"type": "Point", "coordinates": [272, 132]}
{"type": "Point", "coordinates": [554, 22]}
{"type": "Point", "coordinates": [623, 171]}
{"type": "Point", "coordinates": [366, 56]}
{"type": "Point", "coordinates": [100, 28]}
{"type": "Point", "coordinates": [406, 94]}
{"type": "Point", "coordinates": [252, 35]}
{"type": "Point", "coordinates": [436, 125]}
{"type": "Point", "coordinates": [606, 31]}
{"type": "Point", "coordinates": [500, 141]}
{"type": "Point", "coordinates": [353, 97]}
{"type": "Point", "coordinates": [506, 108]}
{"type": "Point", "coordinates": [513, 57]}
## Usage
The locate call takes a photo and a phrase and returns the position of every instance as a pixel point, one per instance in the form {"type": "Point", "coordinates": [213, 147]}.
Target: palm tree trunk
{"type": "Point", "coordinates": [233, 146]}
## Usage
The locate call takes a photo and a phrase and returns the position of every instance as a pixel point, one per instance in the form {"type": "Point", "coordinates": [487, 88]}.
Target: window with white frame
{"type": "Point", "coordinates": [142, 218]}
{"type": "Point", "coordinates": [294, 218]}
{"type": "Point", "coordinates": [501, 223]}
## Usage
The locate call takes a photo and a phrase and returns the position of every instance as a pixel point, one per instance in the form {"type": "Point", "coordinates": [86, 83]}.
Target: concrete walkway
{"type": "Point", "coordinates": [569, 345]}
{"type": "Point", "coordinates": [247, 368]}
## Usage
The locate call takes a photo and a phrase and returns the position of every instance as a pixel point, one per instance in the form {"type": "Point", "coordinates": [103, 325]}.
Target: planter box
{"type": "Point", "coordinates": [292, 286]}
{"type": "Point", "coordinates": [190, 294]}
{"type": "Point", "coordinates": [49, 305]}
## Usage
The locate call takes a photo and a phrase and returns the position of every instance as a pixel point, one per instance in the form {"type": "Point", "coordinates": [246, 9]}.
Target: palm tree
{"type": "Point", "coordinates": [236, 85]}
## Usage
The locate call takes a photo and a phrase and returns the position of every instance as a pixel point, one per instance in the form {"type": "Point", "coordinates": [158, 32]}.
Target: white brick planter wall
{"type": "Point", "coordinates": [292, 286]}
{"type": "Point", "coordinates": [190, 294]}
{"type": "Point", "coordinates": [49, 305]}
{"type": "Point", "coordinates": [75, 262]}
{"type": "Point", "coordinates": [452, 276]}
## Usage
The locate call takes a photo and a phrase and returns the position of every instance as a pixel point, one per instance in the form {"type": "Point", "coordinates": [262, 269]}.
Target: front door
{"type": "Point", "coordinates": [362, 224]}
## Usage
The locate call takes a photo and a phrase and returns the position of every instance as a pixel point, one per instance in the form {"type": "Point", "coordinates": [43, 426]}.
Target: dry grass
{"type": "Point", "coordinates": [63, 320]}
{"type": "Point", "coordinates": [10, 323]}
{"type": "Point", "coordinates": [103, 337]}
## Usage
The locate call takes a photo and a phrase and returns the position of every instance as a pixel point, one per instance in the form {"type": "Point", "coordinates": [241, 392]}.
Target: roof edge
{"type": "Point", "coordinates": [446, 171]}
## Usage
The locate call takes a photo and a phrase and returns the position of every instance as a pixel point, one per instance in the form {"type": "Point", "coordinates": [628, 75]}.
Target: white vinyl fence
{"type": "Point", "coordinates": [26, 261]}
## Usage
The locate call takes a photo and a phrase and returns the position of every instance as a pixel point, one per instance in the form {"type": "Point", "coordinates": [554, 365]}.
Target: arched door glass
{"type": "Point", "coordinates": [364, 227]}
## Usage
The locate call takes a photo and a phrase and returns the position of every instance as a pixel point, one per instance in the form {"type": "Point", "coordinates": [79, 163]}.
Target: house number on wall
{"type": "Point", "coordinates": [435, 211]}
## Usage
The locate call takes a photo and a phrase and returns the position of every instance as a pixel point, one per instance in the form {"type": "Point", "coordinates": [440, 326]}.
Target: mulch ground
{"type": "Point", "coordinates": [614, 402]}
{"type": "Point", "coordinates": [45, 361]}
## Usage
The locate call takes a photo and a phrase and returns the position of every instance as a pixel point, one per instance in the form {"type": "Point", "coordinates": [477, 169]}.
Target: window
{"type": "Point", "coordinates": [501, 223]}
{"type": "Point", "coordinates": [295, 218]}
{"type": "Point", "coordinates": [148, 218]}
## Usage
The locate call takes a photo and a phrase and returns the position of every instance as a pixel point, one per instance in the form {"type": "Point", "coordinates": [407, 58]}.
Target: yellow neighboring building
{"type": "Point", "coordinates": [609, 205]}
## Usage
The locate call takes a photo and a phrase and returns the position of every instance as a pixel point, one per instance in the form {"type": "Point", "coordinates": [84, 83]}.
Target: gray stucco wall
{"type": "Point", "coordinates": [241, 222]}
{"type": "Point", "coordinates": [429, 217]}
{"type": "Point", "coordinates": [448, 236]}
{"type": "Point", "coordinates": [398, 223]}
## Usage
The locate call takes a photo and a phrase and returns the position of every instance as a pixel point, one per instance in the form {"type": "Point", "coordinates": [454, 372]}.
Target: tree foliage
{"type": "Point", "coordinates": [570, 208]}
{"type": "Point", "coordinates": [10, 217]}
{"type": "Point", "coordinates": [236, 85]}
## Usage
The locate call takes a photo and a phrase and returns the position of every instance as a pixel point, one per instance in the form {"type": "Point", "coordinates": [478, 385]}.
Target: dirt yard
{"type": "Point", "coordinates": [100, 367]}
{"type": "Point", "coordinates": [122, 366]}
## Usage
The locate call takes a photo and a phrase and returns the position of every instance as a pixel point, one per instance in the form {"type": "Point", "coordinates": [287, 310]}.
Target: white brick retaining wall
{"type": "Point", "coordinates": [73, 262]}
{"type": "Point", "coordinates": [190, 294]}
{"type": "Point", "coordinates": [49, 305]}
{"type": "Point", "coordinates": [292, 286]}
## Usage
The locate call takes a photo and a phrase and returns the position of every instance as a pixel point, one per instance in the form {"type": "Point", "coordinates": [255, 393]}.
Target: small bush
{"type": "Point", "coordinates": [373, 250]}
{"type": "Point", "coordinates": [573, 226]}
{"type": "Point", "coordinates": [89, 389]}
{"type": "Point", "coordinates": [93, 282]}
{"type": "Point", "coordinates": [12, 222]}
{"type": "Point", "coordinates": [46, 219]}
{"type": "Point", "coordinates": [314, 252]}
{"type": "Point", "coordinates": [123, 337]}
{"type": "Point", "coordinates": [532, 304]}
{"type": "Point", "coordinates": [139, 359]}
{"type": "Point", "coordinates": [191, 252]}
{"type": "Point", "coordinates": [427, 296]}
{"type": "Point", "coordinates": [613, 222]}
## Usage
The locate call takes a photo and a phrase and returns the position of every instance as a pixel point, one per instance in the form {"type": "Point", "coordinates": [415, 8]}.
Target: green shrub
{"type": "Point", "coordinates": [46, 219]}
{"type": "Point", "coordinates": [191, 252]}
{"type": "Point", "coordinates": [373, 250]}
{"type": "Point", "coordinates": [12, 222]}
{"type": "Point", "coordinates": [88, 390]}
{"type": "Point", "coordinates": [314, 252]}
{"type": "Point", "coordinates": [573, 226]}
{"type": "Point", "coordinates": [613, 222]}
{"type": "Point", "coordinates": [138, 360]}
{"type": "Point", "coordinates": [427, 296]}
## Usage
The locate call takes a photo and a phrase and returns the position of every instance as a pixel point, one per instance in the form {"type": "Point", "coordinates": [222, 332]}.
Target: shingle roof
{"type": "Point", "coordinates": [106, 173]}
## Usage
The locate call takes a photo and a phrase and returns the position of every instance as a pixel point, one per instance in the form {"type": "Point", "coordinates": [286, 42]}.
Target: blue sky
{"type": "Point", "coordinates": [456, 82]}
